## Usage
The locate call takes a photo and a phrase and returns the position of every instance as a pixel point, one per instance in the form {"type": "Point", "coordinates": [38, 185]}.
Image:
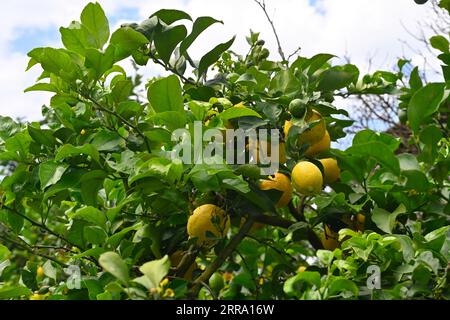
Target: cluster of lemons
{"type": "Point", "coordinates": [208, 221]}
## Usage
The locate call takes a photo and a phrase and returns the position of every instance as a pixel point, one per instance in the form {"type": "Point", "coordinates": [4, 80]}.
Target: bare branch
{"type": "Point", "coordinates": [262, 4]}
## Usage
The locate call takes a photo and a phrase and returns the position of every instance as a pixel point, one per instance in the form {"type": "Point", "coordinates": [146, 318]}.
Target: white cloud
{"type": "Point", "coordinates": [359, 28]}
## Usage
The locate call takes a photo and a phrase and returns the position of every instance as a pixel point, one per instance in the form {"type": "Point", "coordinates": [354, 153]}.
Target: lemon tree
{"type": "Point", "coordinates": [93, 205]}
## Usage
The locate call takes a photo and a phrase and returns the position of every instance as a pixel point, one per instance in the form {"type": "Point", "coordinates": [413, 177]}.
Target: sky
{"type": "Point", "coordinates": [360, 29]}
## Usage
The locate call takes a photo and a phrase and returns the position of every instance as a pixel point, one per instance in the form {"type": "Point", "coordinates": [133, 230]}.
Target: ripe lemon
{"type": "Point", "coordinates": [313, 135]}
{"type": "Point", "coordinates": [360, 222]}
{"type": "Point", "coordinates": [307, 178]}
{"type": "Point", "coordinates": [301, 269]}
{"type": "Point", "coordinates": [279, 182]}
{"type": "Point", "coordinates": [40, 272]}
{"type": "Point", "coordinates": [175, 259]}
{"type": "Point", "coordinates": [318, 147]}
{"type": "Point", "coordinates": [266, 147]}
{"type": "Point", "coordinates": [207, 218]}
{"type": "Point", "coordinates": [331, 170]}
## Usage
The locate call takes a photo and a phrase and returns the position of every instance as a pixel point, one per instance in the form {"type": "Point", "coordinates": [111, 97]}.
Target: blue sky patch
{"type": "Point", "coordinates": [29, 38]}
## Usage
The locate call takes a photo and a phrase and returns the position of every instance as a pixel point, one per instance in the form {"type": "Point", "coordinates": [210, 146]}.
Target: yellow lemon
{"type": "Point", "coordinates": [318, 147]}
{"type": "Point", "coordinates": [207, 218]}
{"type": "Point", "coordinates": [40, 272]}
{"type": "Point", "coordinates": [281, 183]}
{"type": "Point", "coordinates": [313, 135]}
{"type": "Point", "coordinates": [307, 178]}
{"type": "Point", "coordinates": [360, 222]}
{"type": "Point", "coordinates": [331, 170]}
{"type": "Point", "coordinates": [301, 269]}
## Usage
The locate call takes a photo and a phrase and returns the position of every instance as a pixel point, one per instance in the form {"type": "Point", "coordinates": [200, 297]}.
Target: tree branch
{"type": "Point", "coordinates": [262, 4]}
{"type": "Point", "coordinates": [227, 251]}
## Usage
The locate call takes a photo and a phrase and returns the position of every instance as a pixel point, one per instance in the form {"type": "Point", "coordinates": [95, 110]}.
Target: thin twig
{"type": "Point", "coordinates": [122, 119]}
{"type": "Point", "coordinates": [262, 4]}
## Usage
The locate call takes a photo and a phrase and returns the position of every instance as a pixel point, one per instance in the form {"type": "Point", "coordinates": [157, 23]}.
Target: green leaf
{"type": "Point", "coordinates": [122, 90]}
{"type": "Point", "coordinates": [75, 38]}
{"type": "Point", "coordinates": [50, 173]}
{"type": "Point", "coordinates": [407, 247]}
{"type": "Point", "coordinates": [408, 162]}
{"type": "Point", "coordinates": [238, 112]}
{"type": "Point", "coordinates": [91, 183]}
{"type": "Point", "coordinates": [416, 180]}
{"type": "Point", "coordinates": [42, 136]}
{"type": "Point", "coordinates": [284, 82]}
{"type": "Point", "coordinates": [247, 79]}
{"type": "Point", "coordinates": [18, 147]}
{"type": "Point", "coordinates": [156, 270]}
{"type": "Point", "coordinates": [165, 95]}
{"type": "Point", "coordinates": [312, 64]}
{"type": "Point", "coordinates": [69, 150]}
{"type": "Point", "coordinates": [94, 19]}
{"type": "Point", "coordinates": [341, 285]}
{"type": "Point", "coordinates": [167, 40]}
{"type": "Point", "coordinates": [56, 61]}
{"type": "Point", "coordinates": [170, 119]}
{"type": "Point", "coordinates": [212, 56]}
{"type": "Point", "coordinates": [42, 87]}
{"type": "Point", "coordinates": [169, 16]}
{"type": "Point", "coordinates": [200, 25]}
{"type": "Point", "coordinates": [245, 279]}
{"type": "Point", "coordinates": [436, 238]}
{"type": "Point", "coordinates": [105, 140]}
{"type": "Point", "coordinates": [325, 256]}
{"type": "Point", "coordinates": [199, 109]}
{"type": "Point", "coordinates": [386, 220]}
{"type": "Point", "coordinates": [440, 43]}
{"type": "Point", "coordinates": [95, 235]}
{"type": "Point", "coordinates": [338, 77]}
{"type": "Point", "coordinates": [98, 61]}
{"type": "Point", "coordinates": [113, 263]}
{"type": "Point", "coordinates": [8, 128]}
{"type": "Point", "coordinates": [8, 292]}
{"type": "Point", "coordinates": [90, 214]}
{"type": "Point", "coordinates": [424, 103]}
{"type": "Point", "coordinates": [126, 41]}
{"type": "Point", "coordinates": [380, 152]}
{"type": "Point", "coordinates": [291, 284]}
{"type": "Point", "coordinates": [414, 79]}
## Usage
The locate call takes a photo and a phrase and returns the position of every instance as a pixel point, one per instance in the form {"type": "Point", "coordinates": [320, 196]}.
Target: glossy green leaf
{"type": "Point", "coordinates": [169, 16]}
{"type": "Point", "coordinates": [167, 40]}
{"type": "Point", "coordinates": [424, 103]}
{"type": "Point", "coordinates": [50, 172]}
{"type": "Point", "coordinates": [165, 95]}
{"type": "Point", "coordinates": [156, 270]}
{"type": "Point", "coordinates": [94, 19]}
{"type": "Point", "coordinates": [69, 150]}
{"type": "Point", "coordinates": [200, 25]}
{"type": "Point", "coordinates": [90, 214]}
{"type": "Point", "coordinates": [212, 56]}
{"type": "Point", "coordinates": [440, 43]}
{"type": "Point", "coordinates": [113, 263]}
{"type": "Point", "coordinates": [42, 136]}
